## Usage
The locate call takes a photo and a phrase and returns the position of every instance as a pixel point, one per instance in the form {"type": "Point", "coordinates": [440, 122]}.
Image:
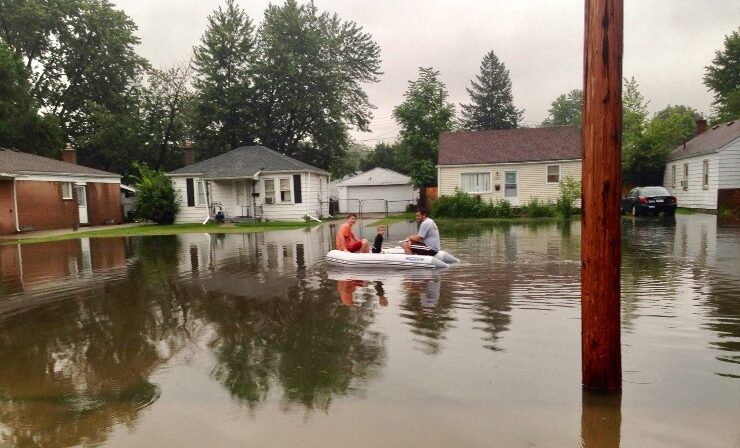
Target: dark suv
{"type": "Point", "coordinates": [649, 201]}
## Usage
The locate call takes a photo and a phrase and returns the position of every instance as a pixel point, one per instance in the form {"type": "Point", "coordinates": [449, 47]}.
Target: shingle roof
{"type": "Point", "coordinates": [510, 145]}
{"type": "Point", "coordinates": [709, 141]}
{"type": "Point", "coordinates": [16, 162]}
{"type": "Point", "coordinates": [245, 161]}
{"type": "Point", "coordinates": [376, 176]}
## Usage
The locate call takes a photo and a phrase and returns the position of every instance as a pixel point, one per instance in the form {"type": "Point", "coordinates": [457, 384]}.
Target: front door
{"type": "Point", "coordinates": [82, 203]}
{"type": "Point", "coordinates": [511, 192]}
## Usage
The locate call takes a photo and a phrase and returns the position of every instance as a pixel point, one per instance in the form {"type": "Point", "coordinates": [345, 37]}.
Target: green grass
{"type": "Point", "coordinates": [686, 211]}
{"type": "Point", "coordinates": [173, 229]}
{"type": "Point", "coordinates": [391, 219]}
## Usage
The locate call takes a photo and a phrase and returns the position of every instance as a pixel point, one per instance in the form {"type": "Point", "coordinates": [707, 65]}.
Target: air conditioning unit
{"type": "Point", "coordinates": [684, 183]}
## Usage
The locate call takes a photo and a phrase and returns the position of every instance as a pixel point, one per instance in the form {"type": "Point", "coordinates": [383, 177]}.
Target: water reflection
{"type": "Point", "coordinates": [601, 420]}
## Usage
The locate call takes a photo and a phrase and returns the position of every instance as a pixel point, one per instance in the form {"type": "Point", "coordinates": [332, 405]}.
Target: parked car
{"type": "Point", "coordinates": [649, 201]}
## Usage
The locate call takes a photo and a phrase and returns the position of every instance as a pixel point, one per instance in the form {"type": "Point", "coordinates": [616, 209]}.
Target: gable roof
{"type": "Point", "coordinates": [376, 176]}
{"type": "Point", "coordinates": [245, 161]}
{"type": "Point", "coordinates": [709, 141]}
{"type": "Point", "coordinates": [510, 145]}
{"type": "Point", "coordinates": [18, 163]}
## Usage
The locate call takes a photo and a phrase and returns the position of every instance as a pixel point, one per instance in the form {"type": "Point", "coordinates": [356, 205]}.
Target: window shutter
{"type": "Point", "coordinates": [297, 188]}
{"type": "Point", "coordinates": [190, 192]}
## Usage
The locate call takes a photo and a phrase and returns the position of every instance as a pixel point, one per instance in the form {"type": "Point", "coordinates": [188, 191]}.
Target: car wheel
{"type": "Point", "coordinates": [670, 213]}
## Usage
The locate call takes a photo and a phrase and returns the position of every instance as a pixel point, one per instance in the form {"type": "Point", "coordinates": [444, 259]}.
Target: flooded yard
{"type": "Point", "coordinates": [253, 340]}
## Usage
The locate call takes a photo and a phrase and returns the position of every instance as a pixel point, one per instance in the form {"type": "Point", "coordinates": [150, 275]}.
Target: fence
{"type": "Point", "coordinates": [370, 206]}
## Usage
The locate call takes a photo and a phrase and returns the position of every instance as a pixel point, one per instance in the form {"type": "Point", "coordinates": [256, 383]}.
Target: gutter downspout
{"type": "Point", "coordinates": [308, 193]}
{"type": "Point", "coordinates": [15, 207]}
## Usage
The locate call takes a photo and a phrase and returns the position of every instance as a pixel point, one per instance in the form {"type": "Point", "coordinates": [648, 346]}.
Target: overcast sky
{"type": "Point", "coordinates": [667, 44]}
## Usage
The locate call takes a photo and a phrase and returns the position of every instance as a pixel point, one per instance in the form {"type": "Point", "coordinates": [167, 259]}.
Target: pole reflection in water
{"type": "Point", "coordinates": [601, 420]}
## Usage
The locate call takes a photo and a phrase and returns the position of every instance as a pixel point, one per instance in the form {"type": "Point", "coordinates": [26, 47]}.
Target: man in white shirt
{"type": "Point", "coordinates": [426, 241]}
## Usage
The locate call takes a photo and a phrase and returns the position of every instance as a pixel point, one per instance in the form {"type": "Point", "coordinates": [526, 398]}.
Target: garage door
{"type": "Point", "coordinates": [373, 199]}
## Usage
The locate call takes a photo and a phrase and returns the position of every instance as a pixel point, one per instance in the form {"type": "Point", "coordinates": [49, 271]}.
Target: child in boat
{"type": "Point", "coordinates": [378, 244]}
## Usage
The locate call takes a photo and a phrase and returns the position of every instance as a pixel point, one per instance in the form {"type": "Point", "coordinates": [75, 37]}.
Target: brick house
{"type": "Point", "coordinates": [39, 193]}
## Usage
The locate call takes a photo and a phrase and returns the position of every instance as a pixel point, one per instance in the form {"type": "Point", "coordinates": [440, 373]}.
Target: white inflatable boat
{"type": "Point", "coordinates": [393, 257]}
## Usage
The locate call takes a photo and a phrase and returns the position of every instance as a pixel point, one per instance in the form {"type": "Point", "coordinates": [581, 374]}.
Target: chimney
{"type": "Point", "coordinates": [69, 155]}
{"type": "Point", "coordinates": [189, 153]}
{"type": "Point", "coordinates": [701, 126]}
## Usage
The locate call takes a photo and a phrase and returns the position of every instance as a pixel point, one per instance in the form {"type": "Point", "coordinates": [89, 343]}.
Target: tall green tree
{"type": "Point", "coordinates": [386, 155]}
{"type": "Point", "coordinates": [224, 64]}
{"type": "Point", "coordinates": [21, 125]}
{"type": "Point", "coordinates": [566, 110]}
{"type": "Point", "coordinates": [423, 115]}
{"type": "Point", "coordinates": [309, 79]}
{"type": "Point", "coordinates": [81, 58]}
{"type": "Point", "coordinates": [491, 101]}
{"type": "Point", "coordinates": [723, 79]}
{"type": "Point", "coordinates": [634, 117]}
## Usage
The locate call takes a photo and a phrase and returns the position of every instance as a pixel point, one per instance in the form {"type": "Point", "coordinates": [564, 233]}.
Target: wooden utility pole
{"type": "Point", "coordinates": [602, 180]}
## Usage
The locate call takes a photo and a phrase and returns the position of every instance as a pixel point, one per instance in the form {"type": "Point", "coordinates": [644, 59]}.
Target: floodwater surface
{"type": "Point", "coordinates": [254, 341]}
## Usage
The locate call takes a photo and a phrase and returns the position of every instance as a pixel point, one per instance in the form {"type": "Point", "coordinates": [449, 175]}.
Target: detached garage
{"type": "Point", "coordinates": [376, 191]}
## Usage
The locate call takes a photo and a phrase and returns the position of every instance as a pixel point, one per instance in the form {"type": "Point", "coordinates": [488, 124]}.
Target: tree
{"type": "Point", "coordinates": [566, 110]}
{"type": "Point", "coordinates": [634, 116]}
{"type": "Point", "coordinates": [491, 101]}
{"type": "Point", "coordinates": [21, 126]}
{"type": "Point", "coordinates": [385, 155]}
{"type": "Point", "coordinates": [156, 198]}
{"type": "Point", "coordinates": [165, 103]}
{"type": "Point", "coordinates": [80, 56]}
{"type": "Point", "coordinates": [723, 78]}
{"type": "Point", "coordinates": [423, 115]}
{"type": "Point", "coordinates": [224, 116]}
{"type": "Point", "coordinates": [309, 80]}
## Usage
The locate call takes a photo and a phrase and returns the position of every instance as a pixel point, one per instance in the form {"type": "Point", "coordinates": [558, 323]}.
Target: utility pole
{"type": "Point", "coordinates": [602, 181]}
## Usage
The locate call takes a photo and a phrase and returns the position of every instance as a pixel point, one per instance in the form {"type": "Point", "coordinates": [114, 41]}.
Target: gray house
{"type": "Point", "coordinates": [250, 182]}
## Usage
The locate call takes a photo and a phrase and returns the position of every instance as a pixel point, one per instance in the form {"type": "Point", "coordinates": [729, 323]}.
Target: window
{"type": "Point", "coordinates": [685, 181]}
{"type": "Point", "coordinates": [553, 174]}
{"type": "Point", "coordinates": [66, 190]}
{"type": "Point", "coordinates": [705, 175]}
{"type": "Point", "coordinates": [285, 193]}
{"type": "Point", "coordinates": [269, 191]}
{"type": "Point", "coordinates": [475, 182]}
{"type": "Point", "coordinates": [673, 176]}
{"type": "Point", "coordinates": [201, 193]}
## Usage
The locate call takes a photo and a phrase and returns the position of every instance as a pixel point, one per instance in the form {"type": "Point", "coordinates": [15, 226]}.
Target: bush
{"type": "Point", "coordinates": [537, 208]}
{"type": "Point", "coordinates": [570, 191]}
{"type": "Point", "coordinates": [156, 199]}
{"type": "Point", "coordinates": [463, 205]}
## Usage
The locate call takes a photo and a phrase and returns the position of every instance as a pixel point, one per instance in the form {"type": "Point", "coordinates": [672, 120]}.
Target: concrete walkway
{"type": "Point", "coordinates": [57, 232]}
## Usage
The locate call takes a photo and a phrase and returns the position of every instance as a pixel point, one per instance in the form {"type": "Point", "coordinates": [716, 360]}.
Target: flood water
{"type": "Point", "coordinates": [254, 341]}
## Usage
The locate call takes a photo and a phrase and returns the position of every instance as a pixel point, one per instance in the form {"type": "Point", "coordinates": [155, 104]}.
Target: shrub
{"type": "Point", "coordinates": [156, 198]}
{"type": "Point", "coordinates": [570, 191]}
{"type": "Point", "coordinates": [537, 208]}
{"type": "Point", "coordinates": [463, 205]}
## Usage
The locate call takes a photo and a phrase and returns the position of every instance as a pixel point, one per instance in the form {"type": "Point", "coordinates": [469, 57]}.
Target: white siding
{"type": "Point", "coordinates": [695, 196]}
{"type": "Point", "coordinates": [729, 165]}
{"type": "Point", "coordinates": [315, 201]}
{"type": "Point", "coordinates": [187, 214]}
{"type": "Point", "coordinates": [531, 179]}
{"type": "Point", "coordinates": [374, 197]}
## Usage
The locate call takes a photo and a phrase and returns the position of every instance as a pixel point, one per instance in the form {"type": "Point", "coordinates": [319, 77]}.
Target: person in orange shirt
{"type": "Point", "coordinates": [347, 241]}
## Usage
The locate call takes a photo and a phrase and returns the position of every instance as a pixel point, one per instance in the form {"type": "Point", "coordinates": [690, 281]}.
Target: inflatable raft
{"type": "Point", "coordinates": [394, 258]}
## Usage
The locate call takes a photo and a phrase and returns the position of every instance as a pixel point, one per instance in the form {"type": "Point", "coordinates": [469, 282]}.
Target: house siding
{"type": "Point", "coordinates": [695, 196]}
{"type": "Point", "coordinates": [315, 198]}
{"type": "Point", "coordinates": [729, 166]}
{"type": "Point", "coordinates": [531, 179]}
{"type": "Point", "coordinates": [7, 207]}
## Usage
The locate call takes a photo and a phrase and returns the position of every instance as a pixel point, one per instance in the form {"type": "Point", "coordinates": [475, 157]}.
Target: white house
{"type": "Point", "coordinates": [376, 190]}
{"type": "Point", "coordinates": [512, 164]}
{"type": "Point", "coordinates": [704, 172]}
{"type": "Point", "coordinates": [251, 182]}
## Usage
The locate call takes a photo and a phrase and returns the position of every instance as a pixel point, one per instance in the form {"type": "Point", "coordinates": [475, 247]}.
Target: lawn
{"type": "Point", "coordinates": [173, 229]}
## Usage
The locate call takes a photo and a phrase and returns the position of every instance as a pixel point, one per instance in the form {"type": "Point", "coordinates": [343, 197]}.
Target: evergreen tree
{"type": "Point", "coordinates": [224, 70]}
{"type": "Point", "coordinates": [566, 110]}
{"type": "Point", "coordinates": [723, 78]}
{"type": "Point", "coordinates": [423, 115]}
{"type": "Point", "coordinates": [492, 103]}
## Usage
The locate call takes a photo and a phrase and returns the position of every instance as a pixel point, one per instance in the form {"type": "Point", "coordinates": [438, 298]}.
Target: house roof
{"type": "Point", "coordinates": [245, 161]}
{"type": "Point", "coordinates": [510, 145]}
{"type": "Point", "coordinates": [18, 163]}
{"type": "Point", "coordinates": [709, 141]}
{"type": "Point", "coordinates": [376, 176]}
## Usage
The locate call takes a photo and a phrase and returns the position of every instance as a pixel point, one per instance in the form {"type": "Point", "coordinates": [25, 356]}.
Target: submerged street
{"type": "Point", "coordinates": [254, 340]}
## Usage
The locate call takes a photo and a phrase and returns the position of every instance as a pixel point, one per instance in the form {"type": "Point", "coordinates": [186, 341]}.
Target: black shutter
{"type": "Point", "coordinates": [191, 192]}
{"type": "Point", "coordinates": [297, 188]}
